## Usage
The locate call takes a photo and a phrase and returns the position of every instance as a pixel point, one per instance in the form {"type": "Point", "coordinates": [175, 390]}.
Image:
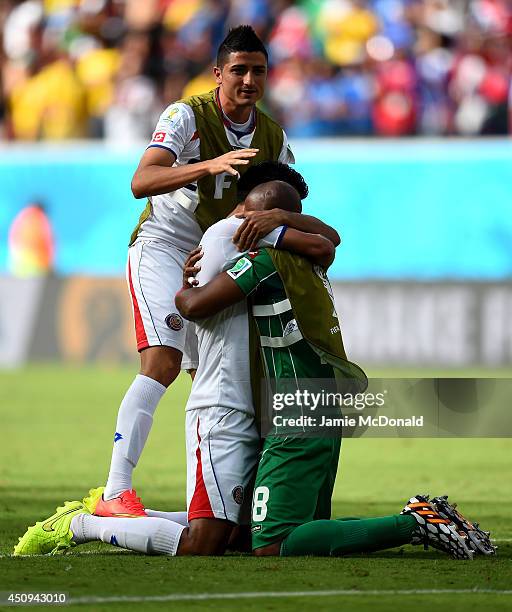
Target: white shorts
{"type": "Point", "coordinates": [222, 455]}
{"type": "Point", "coordinates": [154, 275]}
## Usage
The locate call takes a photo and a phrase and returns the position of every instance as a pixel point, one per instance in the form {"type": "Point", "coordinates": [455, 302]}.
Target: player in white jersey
{"type": "Point", "coordinates": [168, 175]}
{"type": "Point", "coordinates": [226, 447]}
{"type": "Point", "coordinates": [222, 438]}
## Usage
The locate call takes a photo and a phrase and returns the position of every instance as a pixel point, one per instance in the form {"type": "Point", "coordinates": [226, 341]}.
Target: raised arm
{"type": "Point", "coordinates": [259, 223]}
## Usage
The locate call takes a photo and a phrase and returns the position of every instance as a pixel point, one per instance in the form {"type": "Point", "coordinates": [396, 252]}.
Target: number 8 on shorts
{"type": "Point", "coordinates": [259, 504]}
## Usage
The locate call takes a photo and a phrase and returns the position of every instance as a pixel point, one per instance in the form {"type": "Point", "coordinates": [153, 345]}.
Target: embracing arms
{"type": "Point", "coordinates": [260, 223]}
{"type": "Point", "coordinates": [206, 301]}
{"type": "Point", "coordinates": [222, 291]}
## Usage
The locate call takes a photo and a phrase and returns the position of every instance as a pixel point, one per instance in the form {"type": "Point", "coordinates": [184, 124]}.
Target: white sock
{"type": "Point", "coordinates": [178, 517]}
{"type": "Point", "coordinates": [145, 535]}
{"type": "Point", "coordinates": [134, 422]}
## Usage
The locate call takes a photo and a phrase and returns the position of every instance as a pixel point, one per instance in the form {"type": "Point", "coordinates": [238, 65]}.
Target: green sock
{"type": "Point", "coordinates": [346, 536]}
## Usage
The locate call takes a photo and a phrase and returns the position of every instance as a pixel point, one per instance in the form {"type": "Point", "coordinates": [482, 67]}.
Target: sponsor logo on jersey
{"type": "Point", "coordinates": [174, 111]}
{"type": "Point", "coordinates": [113, 540]}
{"type": "Point", "coordinates": [253, 254]}
{"type": "Point", "coordinates": [117, 437]}
{"type": "Point", "coordinates": [158, 137]}
{"type": "Point", "coordinates": [238, 494]}
{"type": "Point", "coordinates": [241, 266]}
{"type": "Point", "coordinates": [174, 321]}
{"type": "Point", "coordinates": [256, 528]}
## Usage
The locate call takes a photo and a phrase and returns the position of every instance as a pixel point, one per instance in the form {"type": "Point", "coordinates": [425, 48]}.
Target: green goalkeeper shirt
{"type": "Point", "coordinates": [291, 364]}
{"type": "Point", "coordinates": [287, 354]}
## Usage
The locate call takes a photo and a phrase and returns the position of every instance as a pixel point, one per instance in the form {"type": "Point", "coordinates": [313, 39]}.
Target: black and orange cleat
{"type": "Point", "coordinates": [436, 530]}
{"type": "Point", "coordinates": [477, 540]}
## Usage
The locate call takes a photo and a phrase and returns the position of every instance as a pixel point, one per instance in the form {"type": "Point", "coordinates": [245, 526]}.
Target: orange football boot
{"type": "Point", "coordinates": [127, 505]}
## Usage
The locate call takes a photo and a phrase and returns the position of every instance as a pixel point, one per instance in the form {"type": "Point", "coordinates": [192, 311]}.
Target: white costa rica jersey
{"type": "Point", "coordinates": [223, 377]}
{"type": "Point", "coordinates": [173, 218]}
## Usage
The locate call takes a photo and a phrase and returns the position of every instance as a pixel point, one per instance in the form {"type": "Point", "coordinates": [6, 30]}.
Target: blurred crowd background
{"type": "Point", "coordinates": [107, 68]}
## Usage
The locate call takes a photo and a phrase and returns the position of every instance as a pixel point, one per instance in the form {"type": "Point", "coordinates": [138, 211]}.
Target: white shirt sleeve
{"type": "Point", "coordinates": [175, 129]}
{"type": "Point", "coordinates": [219, 251]}
{"type": "Point", "coordinates": [286, 156]}
{"type": "Point", "coordinates": [214, 243]}
{"type": "Point", "coordinates": [273, 238]}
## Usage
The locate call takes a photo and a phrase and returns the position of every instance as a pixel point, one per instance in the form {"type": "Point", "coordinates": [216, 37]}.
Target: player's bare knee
{"type": "Point", "coordinates": [161, 363]}
{"type": "Point", "coordinates": [205, 537]}
{"type": "Point", "coordinates": [272, 550]}
{"type": "Point", "coordinates": [191, 544]}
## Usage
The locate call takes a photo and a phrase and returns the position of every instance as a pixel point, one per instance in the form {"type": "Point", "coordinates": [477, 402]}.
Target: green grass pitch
{"type": "Point", "coordinates": [57, 425]}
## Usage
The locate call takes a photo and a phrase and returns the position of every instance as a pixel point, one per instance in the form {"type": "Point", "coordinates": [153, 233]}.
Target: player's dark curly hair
{"type": "Point", "coordinates": [239, 39]}
{"type": "Point", "coordinates": [271, 171]}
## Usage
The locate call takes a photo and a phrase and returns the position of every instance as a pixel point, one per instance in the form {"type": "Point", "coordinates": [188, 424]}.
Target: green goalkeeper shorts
{"type": "Point", "coordinates": [294, 485]}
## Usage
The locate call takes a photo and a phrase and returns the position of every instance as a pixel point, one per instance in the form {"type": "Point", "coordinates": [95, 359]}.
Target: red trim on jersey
{"type": "Point", "coordinates": [140, 332]}
{"type": "Point", "coordinates": [200, 506]}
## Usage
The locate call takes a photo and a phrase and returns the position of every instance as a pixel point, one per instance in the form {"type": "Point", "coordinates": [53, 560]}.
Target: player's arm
{"type": "Point", "coordinates": [259, 223]}
{"type": "Point", "coordinates": [174, 132]}
{"type": "Point", "coordinates": [315, 247]}
{"type": "Point", "coordinates": [155, 174]}
{"type": "Point", "coordinates": [225, 289]}
{"type": "Point", "coordinates": [206, 301]}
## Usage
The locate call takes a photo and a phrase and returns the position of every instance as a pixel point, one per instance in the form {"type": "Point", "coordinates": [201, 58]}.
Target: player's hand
{"type": "Point", "coordinates": [256, 225]}
{"type": "Point", "coordinates": [226, 162]}
{"type": "Point", "coordinates": [190, 269]}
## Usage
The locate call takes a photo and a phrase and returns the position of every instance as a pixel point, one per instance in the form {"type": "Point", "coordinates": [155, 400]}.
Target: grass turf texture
{"type": "Point", "coordinates": [57, 427]}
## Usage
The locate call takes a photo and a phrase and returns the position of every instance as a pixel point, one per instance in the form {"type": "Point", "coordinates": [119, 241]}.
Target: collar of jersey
{"type": "Point", "coordinates": [229, 124]}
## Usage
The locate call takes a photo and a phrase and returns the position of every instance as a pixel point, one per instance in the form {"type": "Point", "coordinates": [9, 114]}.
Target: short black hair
{"type": "Point", "coordinates": [271, 171]}
{"type": "Point", "coordinates": [241, 38]}
{"type": "Point", "coordinates": [274, 194]}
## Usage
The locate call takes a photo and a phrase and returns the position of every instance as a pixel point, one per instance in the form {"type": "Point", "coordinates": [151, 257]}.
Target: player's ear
{"type": "Point", "coordinates": [218, 75]}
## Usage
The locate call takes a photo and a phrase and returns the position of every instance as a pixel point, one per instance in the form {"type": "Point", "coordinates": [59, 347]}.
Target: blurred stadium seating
{"type": "Point", "coordinates": [106, 68]}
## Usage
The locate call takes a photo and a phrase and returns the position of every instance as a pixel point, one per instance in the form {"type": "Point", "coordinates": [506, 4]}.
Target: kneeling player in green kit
{"type": "Point", "coordinates": [299, 337]}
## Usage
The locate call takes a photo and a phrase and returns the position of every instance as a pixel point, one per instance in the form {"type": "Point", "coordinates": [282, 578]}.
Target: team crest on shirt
{"type": "Point", "coordinates": [174, 321]}
{"type": "Point", "coordinates": [238, 494]}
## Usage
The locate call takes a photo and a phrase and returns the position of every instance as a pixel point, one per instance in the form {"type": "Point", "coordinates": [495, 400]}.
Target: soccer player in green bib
{"type": "Point", "coordinates": [296, 337]}
{"type": "Point", "coordinates": [297, 331]}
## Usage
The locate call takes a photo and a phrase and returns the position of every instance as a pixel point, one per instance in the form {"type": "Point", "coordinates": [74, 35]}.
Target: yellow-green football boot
{"type": "Point", "coordinates": [91, 501]}
{"type": "Point", "coordinates": [53, 534]}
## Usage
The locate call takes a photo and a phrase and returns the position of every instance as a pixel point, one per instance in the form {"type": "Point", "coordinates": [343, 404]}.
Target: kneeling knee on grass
{"type": "Point", "coordinates": [205, 536]}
